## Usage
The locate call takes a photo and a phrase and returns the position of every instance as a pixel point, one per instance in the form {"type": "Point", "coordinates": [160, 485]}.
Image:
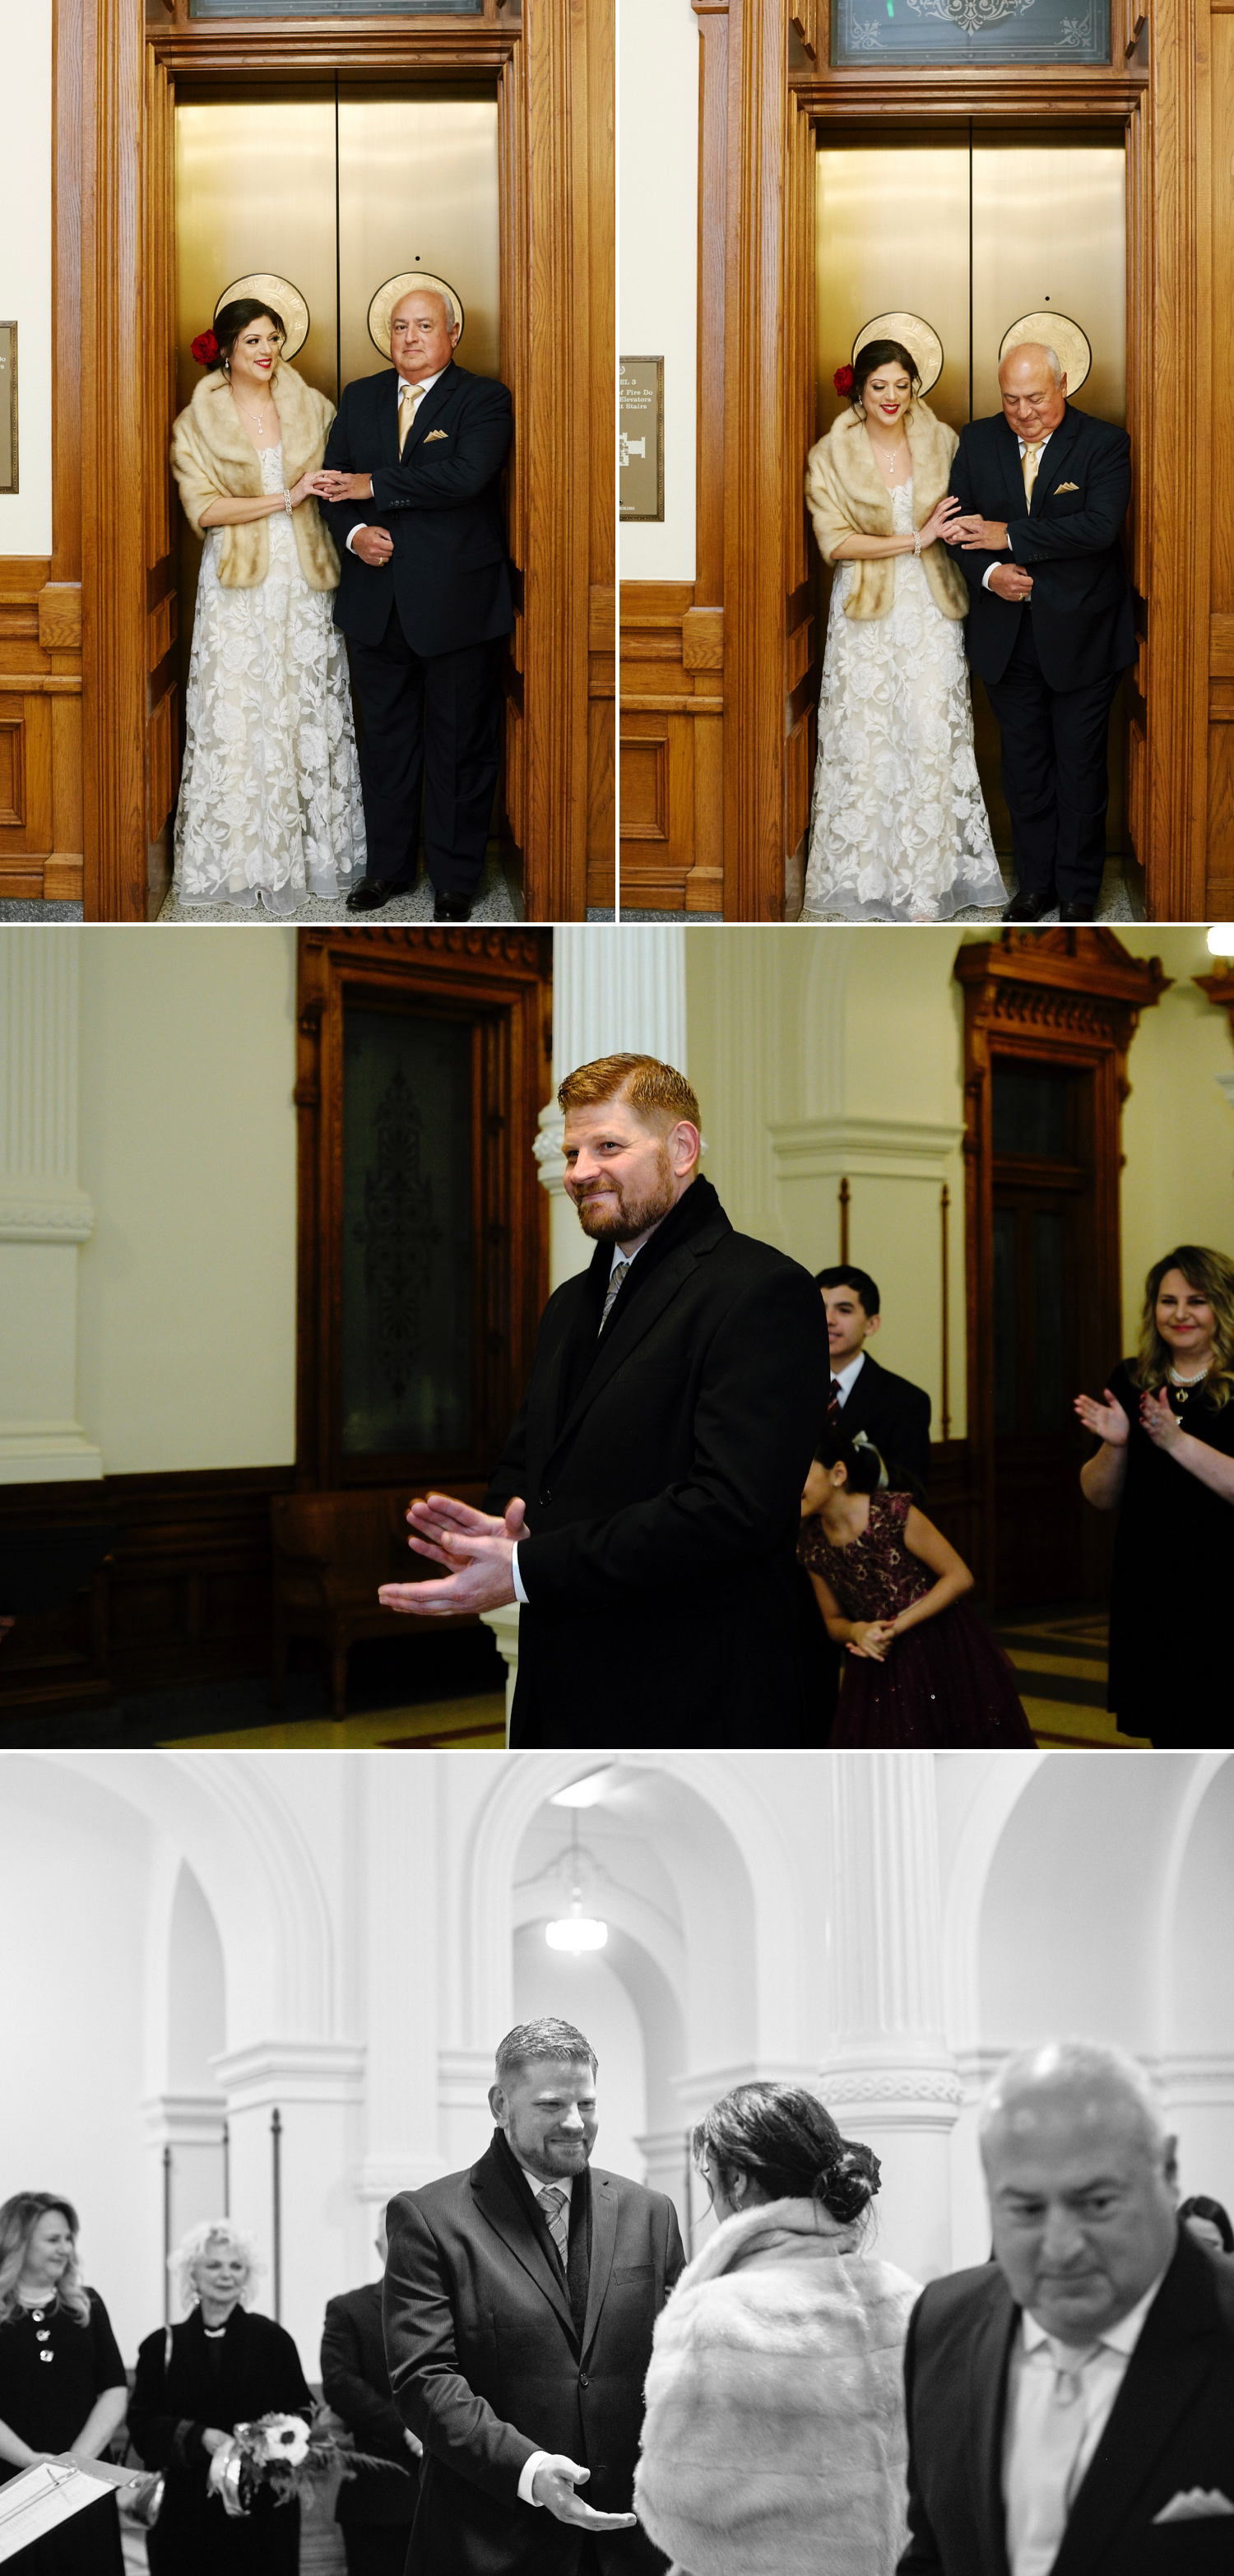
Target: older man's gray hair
{"type": "Point", "coordinates": [1072, 2066]}
{"type": "Point", "coordinates": [441, 295]}
{"type": "Point", "coordinates": [531, 2043]}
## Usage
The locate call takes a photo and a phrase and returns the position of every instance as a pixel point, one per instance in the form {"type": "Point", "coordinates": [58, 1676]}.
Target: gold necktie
{"type": "Point", "coordinates": [409, 396]}
{"type": "Point", "coordinates": [1032, 459]}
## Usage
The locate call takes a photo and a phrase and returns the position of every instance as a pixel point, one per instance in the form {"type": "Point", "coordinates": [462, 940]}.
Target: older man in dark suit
{"type": "Point", "coordinates": [375, 2506]}
{"type": "Point", "coordinates": [651, 1487]}
{"type": "Point", "coordinates": [1071, 2405]}
{"type": "Point", "coordinates": [520, 2300]}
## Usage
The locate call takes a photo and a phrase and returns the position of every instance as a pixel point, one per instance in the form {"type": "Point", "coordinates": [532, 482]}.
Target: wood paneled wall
{"type": "Point", "coordinates": [41, 831]}
{"type": "Point", "coordinates": [1221, 607]}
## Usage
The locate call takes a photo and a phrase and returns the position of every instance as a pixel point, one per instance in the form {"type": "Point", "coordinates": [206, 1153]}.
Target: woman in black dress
{"type": "Point", "coordinates": [62, 2382]}
{"type": "Point", "coordinates": [1166, 1465]}
{"type": "Point", "coordinates": [195, 2382]}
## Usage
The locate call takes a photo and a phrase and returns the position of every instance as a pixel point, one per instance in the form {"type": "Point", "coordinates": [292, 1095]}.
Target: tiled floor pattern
{"type": "Point", "coordinates": [1060, 1661]}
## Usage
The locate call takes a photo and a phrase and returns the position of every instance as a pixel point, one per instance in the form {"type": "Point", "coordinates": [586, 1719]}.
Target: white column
{"type": "Point", "coordinates": [887, 2074]}
{"type": "Point", "coordinates": [43, 1213]}
{"type": "Point", "coordinates": [317, 2087]}
{"type": "Point", "coordinates": [504, 1624]}
{"type": "Point", "coordinates": [401, 1981]}
{"type": "Point", "coordinates": [616, 991]}
{"type": "Point", "coordinates": [191, 2124]}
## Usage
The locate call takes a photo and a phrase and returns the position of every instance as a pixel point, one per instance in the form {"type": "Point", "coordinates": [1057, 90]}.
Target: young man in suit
{"type": "Point", "coordinates": [376, 2506]}
{"type": "Point", "coordinates": [414, 505]}
{"type": "Point", "coordinates": [646, 1509]}
{"type": "Point", "coordinates": [1044, 490]}
{"type": "Point", "coordinates": [520, 2300]}
{"type": "Point", "coordinates": [1071, 2404]}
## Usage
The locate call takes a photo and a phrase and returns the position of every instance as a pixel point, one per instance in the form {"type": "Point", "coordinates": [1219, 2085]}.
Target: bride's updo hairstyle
{"type": "Point", "coordinates": [861, 1461]}
{"type": "Point", "coordinates": [231, 319]}
{"type": "Point", "coordinates": [780, 2137]}
{"type": "Point", "coordinates": [876, 354]}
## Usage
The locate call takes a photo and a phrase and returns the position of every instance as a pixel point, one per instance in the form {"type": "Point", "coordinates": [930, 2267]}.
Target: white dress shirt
{"type": "Point", "coordinates": [537, 2184]}
{"type": "Point", "coordinates": [622, 1258]}
{"type": "Point", "coordinates": [846, 1378]}
{"type": "Point", "coordinates": [425, 386]}
{"type": "Point", "coordinates": [1034, 2528]}
{"type": "Point", "coordinates": [1022, 444]}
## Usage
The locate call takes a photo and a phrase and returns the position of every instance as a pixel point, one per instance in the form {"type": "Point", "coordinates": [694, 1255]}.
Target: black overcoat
{"type": "Point", "coordinates": [487, 2364]}
{"type": "Point", "coordinates": [1082, 611]}
{"type": "Point", "coordinates": [174, 2401]}
{"type": "Point", "coordinates": [355, 2382]}
{"type": "Point", "coordinates": [450, 569]}
{"type": "Point", "coordinates": [662, 1469]}
{"type": "Point", "coordinates": [1171, 2429]}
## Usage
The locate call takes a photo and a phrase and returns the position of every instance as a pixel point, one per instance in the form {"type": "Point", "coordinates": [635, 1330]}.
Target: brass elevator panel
{"type": "Point", "coordinates": [417, 181]}
{"type": "Point", "coordinates": [971, 228]}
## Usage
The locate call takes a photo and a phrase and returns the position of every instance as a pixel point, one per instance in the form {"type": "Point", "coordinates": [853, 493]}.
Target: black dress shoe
{"type": "Point", "coordinates": [451, 907]}
{"type": "Point", "coordinates": [372, 892]}
{"type": "Point", "coordinates": [1030, 907]}
{"type": "Point", "coordinates": [1078, 911]}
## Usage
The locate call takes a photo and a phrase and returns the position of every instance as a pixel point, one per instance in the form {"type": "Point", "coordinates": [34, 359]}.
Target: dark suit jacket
{"type": "Point", "coordinates": [1171, 2428]}
{"type": "Point", "coordinates": [1083, 619]}
{"type": "Point", "coordinates": [662, 1470]}
{"type": "Point", "coordinates": [356, 2383]}
{"type": "Point", "coordinates": [488, 2366]}
{"type": "Point", "coordinates": [895, 1415]}
{"type": "Point", "coordinates": [450, 569]}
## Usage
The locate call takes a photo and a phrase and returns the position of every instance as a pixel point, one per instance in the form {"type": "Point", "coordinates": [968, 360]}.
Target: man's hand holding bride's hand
{"type": "Point", "coordinates": [476, 1550]}
{"type": "Point", "coordinates": [871, 1638]}
{"type": "Point", "coordinates": [336, 486]}
{"type": "Point", "coordinates": [941, 521]}
{"type": "Point", "coordinates": [312, 484]}
{"type": "Point", "coordinates": [989, 536]}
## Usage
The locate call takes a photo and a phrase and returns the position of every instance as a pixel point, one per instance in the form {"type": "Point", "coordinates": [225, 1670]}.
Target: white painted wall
{"type": "Point", "coordinates": [25, 263]}
{"type": "Point", "coordinates": [658, 258]}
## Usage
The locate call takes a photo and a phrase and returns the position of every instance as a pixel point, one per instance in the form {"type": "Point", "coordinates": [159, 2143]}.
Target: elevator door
{"type": "Point", "coordinates": [337, 186]}
{"type": "Point", "coordinates": [970, 229]}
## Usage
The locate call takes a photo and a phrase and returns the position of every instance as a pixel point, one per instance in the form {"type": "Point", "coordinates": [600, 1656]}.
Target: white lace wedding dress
{"type": "Point", "coordinates": [899, 829]}
{"type": "Point", "coordinates": [269, 808]}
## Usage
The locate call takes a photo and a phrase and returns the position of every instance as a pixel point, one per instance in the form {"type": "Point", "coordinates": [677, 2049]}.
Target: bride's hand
{"type": "Point", "coordinates": [939, 522]}
{"type": "Point", "coordinates": [309, 483]}
{"type": "Point", "coordinates": [1108, 1420]}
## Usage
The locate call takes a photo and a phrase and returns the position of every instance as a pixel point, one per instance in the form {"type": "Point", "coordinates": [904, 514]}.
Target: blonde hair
{"type": "Point", "coordinates": [657, 1091]}
{"type": "Point", "coordinates": [1213, 1276]}
{"type": "Point", "coordinates": [212, 2231]}
{"type": "Point", "coordinates": [19, 2217]}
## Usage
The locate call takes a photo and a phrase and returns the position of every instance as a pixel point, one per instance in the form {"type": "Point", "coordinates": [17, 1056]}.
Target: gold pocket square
{"type": "Point", "coordinates": [1059, 487]}
{"type": "Point", "coordinates": [1195, 2504]}
{"type": "Point", "coordinates": [444, 433]}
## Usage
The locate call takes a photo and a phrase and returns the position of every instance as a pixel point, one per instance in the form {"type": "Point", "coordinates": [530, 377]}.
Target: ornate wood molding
{"type": "Point", "coordinates": [1219, 990]}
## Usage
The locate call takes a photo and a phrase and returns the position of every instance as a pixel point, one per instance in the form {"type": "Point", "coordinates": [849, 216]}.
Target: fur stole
{"type": "Point", "coordinates": [847, 495]}
{"type": "Point", "coordinates": [774, 2440]}
{"type": "Point", "coordinates": [213, 458]}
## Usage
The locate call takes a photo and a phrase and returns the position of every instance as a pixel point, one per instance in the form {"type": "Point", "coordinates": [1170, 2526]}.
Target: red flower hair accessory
{"type": "Point", "coordinates": [206, 349]}
{"type": "Point", "coordinates": [842, 380]}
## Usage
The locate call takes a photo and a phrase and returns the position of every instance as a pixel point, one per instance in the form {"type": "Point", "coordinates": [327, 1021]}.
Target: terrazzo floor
{"type": "Point", "coordinates": [1114, 904]}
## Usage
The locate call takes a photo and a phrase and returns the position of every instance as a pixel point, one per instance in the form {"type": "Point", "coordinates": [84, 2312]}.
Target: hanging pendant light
{"type": "Point", "coordinates": [576, 1931]}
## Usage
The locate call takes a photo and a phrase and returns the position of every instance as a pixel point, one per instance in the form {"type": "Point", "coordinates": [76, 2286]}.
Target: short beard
{"type": "Point", "coordinates": [618, 1220]}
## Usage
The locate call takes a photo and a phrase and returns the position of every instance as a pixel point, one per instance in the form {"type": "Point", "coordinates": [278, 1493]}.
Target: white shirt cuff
{"type": "Point", "coordinates": [361, 523]}
{"type": "Point", "coordinates": [528, 2472]}
{"type": "Point", "coordinates": [520, 1595]}
{"type": "Point", "coordinates": [985, 578]}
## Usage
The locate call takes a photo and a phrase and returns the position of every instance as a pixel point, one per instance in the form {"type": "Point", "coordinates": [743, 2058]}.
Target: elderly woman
{"type": "Point", "coordinates": [195, 2382]}
{"type": "Point", "coordinates": [899, 830]}
{"type": "Point", "coordinates": [62, 2383]}
{"type": "Point", "coordinates": [269, 808]}
{"type": "Point", "coordinates": [774, 2441]}
{"type": "Point", "coordinates": [1166, 1465]}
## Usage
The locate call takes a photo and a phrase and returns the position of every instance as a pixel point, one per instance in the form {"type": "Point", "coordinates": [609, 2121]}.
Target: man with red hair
{"type": "Point", "coordinates": [645, 1512]}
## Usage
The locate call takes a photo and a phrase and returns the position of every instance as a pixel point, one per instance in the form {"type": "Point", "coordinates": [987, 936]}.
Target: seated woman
{"type": "Point", "coordinates": [62, 2381]}
{"type": "Point", "coordinates": [774, 2441]}
{"type": "Point", "coordinates": [1166, 1465]}
{"type": "Point", "coordinates": [223, 2366]}
{"type": "Point", "coordinates": [1209, 2223]}
{"type": "Point", "coordinates": [920, 1669]}
{"type": "Point", "coordinates": [269, 808]}
{"type": "Point", "coordinates": [899, 829]}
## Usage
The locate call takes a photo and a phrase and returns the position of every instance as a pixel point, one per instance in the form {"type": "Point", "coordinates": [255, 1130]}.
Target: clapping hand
{"type": "Point", "coordinates": [1108, 1421]}
{"type": "Point", "coordinates": [476, 1549]}
{"type": "Point", "coordinates": [871, 1639]}
{"type": "Point", "coordinates": [1159, 1419]}
{"type": "Point", "coordinates": [553, 2486]}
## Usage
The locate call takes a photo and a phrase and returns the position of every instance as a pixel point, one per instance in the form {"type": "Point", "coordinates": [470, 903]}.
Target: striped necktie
{"type": "Point", "coordinates": [555, 2206]}
{"type": "Point", "coordinates": [617, 1276]}
{"type": "Point", "coordinates": [834, 1407]}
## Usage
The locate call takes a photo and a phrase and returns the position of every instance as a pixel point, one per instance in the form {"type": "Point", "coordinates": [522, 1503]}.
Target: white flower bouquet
{"type": "Point", "coordinates": [284, 2457]}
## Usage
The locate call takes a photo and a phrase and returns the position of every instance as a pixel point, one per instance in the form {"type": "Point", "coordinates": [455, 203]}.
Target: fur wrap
{"type": "Point", "coordinates": [214, 459]}
{"type": "Point", "coordinates": [774, 2441]}
{"type": "Point", "coordinates": [847, 496]}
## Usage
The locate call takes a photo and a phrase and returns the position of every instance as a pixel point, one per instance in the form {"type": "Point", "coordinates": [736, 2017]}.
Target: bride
{"type": "Point", "coordinates": [269, 807]}
{"type": "Point", "coordinates": [899, 829]}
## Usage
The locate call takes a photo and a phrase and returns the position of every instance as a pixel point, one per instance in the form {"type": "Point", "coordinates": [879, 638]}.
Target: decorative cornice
{"type": "Point", "coordinates": [907, 2086]}
{"type": "Point", "coordinates": [288, 2071]}
{"type": "Point", "coordinates": [57, 1214]}
{"type": "Point", "coordinates": [872, 1148]}
{"type": "Point", "coordinates": [516, 947]}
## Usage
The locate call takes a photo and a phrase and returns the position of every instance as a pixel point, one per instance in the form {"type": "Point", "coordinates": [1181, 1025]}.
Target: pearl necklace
{"type": "Point", "coordinates": [1186, 1384]}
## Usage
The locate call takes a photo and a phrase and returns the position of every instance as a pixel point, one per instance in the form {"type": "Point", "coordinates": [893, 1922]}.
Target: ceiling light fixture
{"type": "Point", "coordinates": [576, 1931]}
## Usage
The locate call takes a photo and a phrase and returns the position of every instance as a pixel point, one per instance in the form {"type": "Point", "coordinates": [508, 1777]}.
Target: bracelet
{"type": "Point", "coordinates": [916, 541]}
{"type": "Point", "coordinates": [287, 500]}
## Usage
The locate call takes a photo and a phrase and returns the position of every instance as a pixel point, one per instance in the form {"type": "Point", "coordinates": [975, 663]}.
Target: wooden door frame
{"type": "Point", "coordinates": [543, 60]}
{"type": "Point", "coordinates": [780, 88]}
{"type": "Point", "coordinates": [1079, 994]}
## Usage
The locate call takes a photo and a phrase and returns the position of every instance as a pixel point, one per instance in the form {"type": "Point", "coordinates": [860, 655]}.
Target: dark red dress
{"type": "Point", "coordinates": [943, 1683]}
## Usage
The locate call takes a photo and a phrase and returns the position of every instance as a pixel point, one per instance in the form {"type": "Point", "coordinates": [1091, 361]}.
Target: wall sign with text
{"type": "Point", "coordinates": [8, 406]}
{"type": "Point", "coordinates": [973, 32]}
{"type": "Point", "coordinates": [640, 438]}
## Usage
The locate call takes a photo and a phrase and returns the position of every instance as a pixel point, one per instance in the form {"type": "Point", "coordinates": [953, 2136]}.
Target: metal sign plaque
{"type": "Point", "coordinates": [8, 406]}
{"type": "Point", "coordinates": [976, 33]}
{"type": "Point", "coordinates": [640, 438]}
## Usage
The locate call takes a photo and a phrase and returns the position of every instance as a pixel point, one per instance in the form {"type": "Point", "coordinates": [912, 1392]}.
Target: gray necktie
{"type": "Point", "coordinates": [555, 2206]}
{"type": "Point", "coordinates": [619, 1273]}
